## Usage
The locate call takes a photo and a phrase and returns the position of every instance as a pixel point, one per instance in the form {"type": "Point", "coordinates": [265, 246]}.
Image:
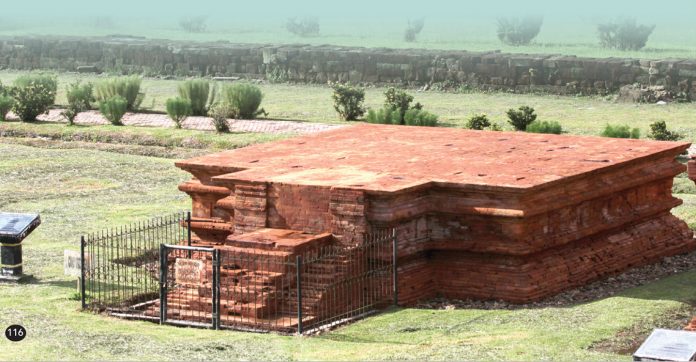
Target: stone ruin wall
{"type": "Point", "coordinates": [320, 64]}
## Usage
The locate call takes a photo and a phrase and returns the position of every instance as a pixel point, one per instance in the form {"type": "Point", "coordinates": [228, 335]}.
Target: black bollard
{"type": "Point", "coordinates": [14, 228]}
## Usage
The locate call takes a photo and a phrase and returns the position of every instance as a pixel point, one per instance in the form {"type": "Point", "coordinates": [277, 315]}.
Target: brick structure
{"type": "Point", "coordinates": [318, 64]}
{"type": "Point", "coordinates": [490, 215]}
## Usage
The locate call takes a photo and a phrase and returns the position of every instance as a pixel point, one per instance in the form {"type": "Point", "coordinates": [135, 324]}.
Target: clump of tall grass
{"type": "Point", "coordinates": [114, 109]}
{"type": "Point", "coordinates": [244, 100]}
{"type": "Point", "coordinates": [198, 92]}
{"type": "Point", "coordinates": [178, 109]}
{"type": "Point", "coordinates": [125, 87]}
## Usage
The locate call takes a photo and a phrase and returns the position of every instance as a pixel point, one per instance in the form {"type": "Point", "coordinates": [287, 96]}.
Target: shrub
{"type": "Point", "coordinates": [399, 101]}
{"type": "Point", "coordinates": [244, 99]}
{"type": "Point", "coordinates": [545, 127]}
{"type": "Point", "coordinates": [624, 35]}
{"type": "Point", "coordinates": [33, 94]}
{"type": "Point", "coordinates": [6, 103]}
{"type": "Point", "coordinates": [114, 109]}
{"type": "Point", "coordinates": [348, 101]}
{"type": "Point", "coordinates": [198, 93]}
{"type": "Point", "coordinates": [413, 28]}
{"type": "Point", "coordinates": [659, 132]}
{"type": "Point", "coordinates": [303, 27]}
{"type": "Point", "coordinates": [519, 31]}
{"type": "Point", "coordinates": [478, 122]}
{"type": "Point", "coordinates": [178, 109]}
{"type": "Point", "coordinates": [193, 24]}
{"type": "Point", "coordinates": [220, 112]}
{"type": "Point", "coordinates": [126, 87]}
{"type": "Point", "coordinates": [496, 127]}
{"type": "Point", "coordinates": [80, 98]}
{"type": "Point", "coordinates": [624, 131]}
{"type": "Point", "coordinates": [383, 116]}
{"type": "Point", "coordinates": [419, 117]}
{"type": "Point", "coordinates": [521, 118]}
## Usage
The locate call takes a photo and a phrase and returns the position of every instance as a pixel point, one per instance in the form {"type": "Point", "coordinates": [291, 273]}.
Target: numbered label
{"type": "Point", "coordinates": [15, 333]}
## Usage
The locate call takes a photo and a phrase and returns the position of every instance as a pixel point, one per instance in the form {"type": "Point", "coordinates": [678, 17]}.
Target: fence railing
{"type": "Point", "coordinates": [121, 268]}
{"type": "Point", "coordinates": [150, 271]}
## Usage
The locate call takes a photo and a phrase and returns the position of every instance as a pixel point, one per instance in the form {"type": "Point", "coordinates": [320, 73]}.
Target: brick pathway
{"type": "Point", "coordinates": [195, 123]}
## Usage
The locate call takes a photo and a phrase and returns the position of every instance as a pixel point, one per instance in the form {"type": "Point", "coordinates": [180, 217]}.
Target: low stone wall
{"type": "Point", "coordinates": [319, 64]}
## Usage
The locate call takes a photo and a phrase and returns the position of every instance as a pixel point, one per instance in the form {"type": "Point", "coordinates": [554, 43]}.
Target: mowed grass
{"type": "Point", "coordinates": [312, 103]}
{"type": "Point", "coordinates": [80, 191]}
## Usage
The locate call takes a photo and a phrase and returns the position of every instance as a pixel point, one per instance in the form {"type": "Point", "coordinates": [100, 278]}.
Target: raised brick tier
{"type": "Point", "coordinates": [490, 215]}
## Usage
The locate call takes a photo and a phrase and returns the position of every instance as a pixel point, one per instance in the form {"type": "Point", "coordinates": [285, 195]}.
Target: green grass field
{"type": "Point", "coordinates": [80, 190]}
{"type": "Point", "coordinates": [312, 103]}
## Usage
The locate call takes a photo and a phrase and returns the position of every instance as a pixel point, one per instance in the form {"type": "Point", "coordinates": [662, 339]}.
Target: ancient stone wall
{"type": "Point", "coordinates": [319, 64]}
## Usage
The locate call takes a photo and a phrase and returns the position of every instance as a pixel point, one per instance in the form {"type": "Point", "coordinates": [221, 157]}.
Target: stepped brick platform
{"type": "Point", "coordinates": [490, 215]}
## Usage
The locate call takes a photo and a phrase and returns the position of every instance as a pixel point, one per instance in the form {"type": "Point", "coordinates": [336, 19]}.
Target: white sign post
{"type": "Point", "coordinates": [72, 265]}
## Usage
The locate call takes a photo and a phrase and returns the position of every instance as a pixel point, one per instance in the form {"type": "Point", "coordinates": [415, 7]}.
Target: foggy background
{"type": "Point", "coordinates": [448, 24]}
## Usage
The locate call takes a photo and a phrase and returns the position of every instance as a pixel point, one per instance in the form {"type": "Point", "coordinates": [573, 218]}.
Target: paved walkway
{"type": "Point", "coordinates": [195, 123]}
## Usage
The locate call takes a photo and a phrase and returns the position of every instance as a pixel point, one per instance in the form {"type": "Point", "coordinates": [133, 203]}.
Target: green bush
{"type": "Point", "coordinates": [6, 103]}
{"type": "Point", "coordinates": [552, 127]}
{"type": "Point", "coordinates": [496, 127]}
{"type": "Point", "coordinates": [521, 118]}
{"type": "Point", "coordinates": [80, 98]}
{"type": "Point", "coordinates": [616, 131]}
{"type": "Point", "coordinates": [199, 94]}
{"type": "Point", "coordinates": [220, 113]}
{"type": "Point", "coordinates": [519, 31]}
{"type": "Point", "coordinates": [624, 35]}
{"type": "Point", "coordinates": [419, 117]}
{"type": "Point", "coordinates": [659, 132]}
{"type": "Point", "coordinates": [383, 116]}
{"type": "Point", "coordinates": [125, 87]}
{"type": "Point", "coordinates": [478, 122]}
{"type": "Point", "coordinates": [399, 101]}
{"type": "Point", "coordinates": [413, 28]}
{"type": "Point", "coordinates": [114, 109]}
{"type": "Point", "coordinates": [244, 99]}
{"type": "Point", "coordinates": [33, 94]}
{"type": "Point", "coordinates": [348, 101]}
{"type": "Point", "coordinates": [303, 27]}
{"type": "Point", "coordinates": [178, 109]}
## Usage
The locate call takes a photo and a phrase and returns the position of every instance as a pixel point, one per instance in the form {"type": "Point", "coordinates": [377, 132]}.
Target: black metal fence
{"type": "Point", "coordinates": [120, 269]}
{"type": "Point", "coordinates": [152, 272]}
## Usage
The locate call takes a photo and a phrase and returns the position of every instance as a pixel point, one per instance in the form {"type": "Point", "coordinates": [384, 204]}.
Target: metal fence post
{"type": "Point", "coordinates": [82, 272]}
{"type": "Point", "coordinates": [163, 283]}
{"type": "Point", "coordinates": [216, 289]}
{"type": "Point", "coordinates": [395, 275]}
{"type": "Point", "coordinates": [298, 266]}
{"type": "Point", "coordinates": [188, 230]}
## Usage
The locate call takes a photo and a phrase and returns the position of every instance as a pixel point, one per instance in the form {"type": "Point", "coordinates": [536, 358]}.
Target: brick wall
{"type": "Point", "coordinates": [319, 64]}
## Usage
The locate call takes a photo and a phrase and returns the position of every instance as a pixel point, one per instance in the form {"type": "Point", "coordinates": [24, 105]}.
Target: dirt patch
{"type": "Point", "coordinates": [627, 341]}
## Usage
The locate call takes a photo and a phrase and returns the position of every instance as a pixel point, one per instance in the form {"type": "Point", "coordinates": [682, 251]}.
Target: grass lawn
{"type": "Point", "coordinates": [79, 191]}
{"type": "Point", "coordinates": [312, 103]}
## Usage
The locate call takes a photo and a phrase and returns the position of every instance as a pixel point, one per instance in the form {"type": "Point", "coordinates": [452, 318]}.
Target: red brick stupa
{"type": "Point", "coordinates": [491, 215]}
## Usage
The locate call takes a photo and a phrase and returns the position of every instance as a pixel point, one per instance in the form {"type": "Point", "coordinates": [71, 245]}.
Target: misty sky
{"type": "Point", "coordinates": [678, 10]}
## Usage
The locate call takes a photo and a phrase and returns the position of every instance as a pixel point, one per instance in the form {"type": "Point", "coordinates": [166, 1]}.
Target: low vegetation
{"type": "Point", "coordinates": [113, 109]}
{"type": "Point", "coordinates": [219, 112]}
{"type": "Point", "coordinates": [551, 127]}
{"type": "Point", "coordinates": [624, 35]}
{"type": "Point", "coordinates": [178, 109]}
{"type": "Point", "coordinates": [126, 87]}
{"type": "Point", "coordinates": [521, 118]}
{"type": "Point", "coordinates": [80, 97]}
{"type": "Point", "coordinates": [348, 101]}
{"type": "Point", "coordinates": [199, 93]}
{"type": "Point", "coordinates": [243, 100]}
{"type": "Point", "coordinates": [478, 122]}
{"type": "Point", "coordinates": [33, 94]}
{"type": "Point", "coordinates": [519, 31]}
{"type": "Point", "coordinates": [6, 103]}
{"type": "Point", "coordinates": [620, 131]}
{"type": "Point", "coordinates": [659, 132]}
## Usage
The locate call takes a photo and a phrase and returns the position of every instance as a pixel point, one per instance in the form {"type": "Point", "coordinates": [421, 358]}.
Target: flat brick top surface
{"type": "Point", "coordinates": [391, 158]}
